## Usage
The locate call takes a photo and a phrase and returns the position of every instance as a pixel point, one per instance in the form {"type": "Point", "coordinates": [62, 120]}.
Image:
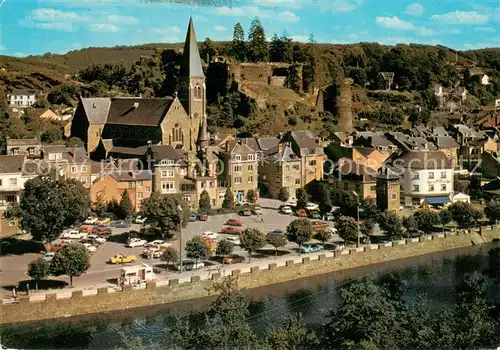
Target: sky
{"type": "Point", "coordinates": [33, 27]}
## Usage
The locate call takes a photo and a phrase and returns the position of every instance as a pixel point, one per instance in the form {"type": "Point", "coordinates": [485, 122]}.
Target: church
{"type": "Point", "coordinates": [122, 124]}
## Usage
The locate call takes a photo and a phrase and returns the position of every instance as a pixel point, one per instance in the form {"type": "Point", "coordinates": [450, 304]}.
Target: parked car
{"type": "Point", "coordinates": [203, 217]}
{"type": "Point", "coordinates": [311, 248]}
{"type": "Point", "coordinates": [211, 234]}
{"type": "Point", "coordinates": [301, 213]}
{"type": "Point", "coordinates": [49, 256]}
{"type": "Point", "coordinates": [329, 217]}
{"type": "Point", "coordinates": [91, 220]}
{"type": "Point", "coordinates": [276, 232]}
{"type": "Point", "coordinates": [233, 259]}
{"type": "Point", "coordinates": [122, 259]}
{"type": "Point", "coordinates": [121, 224]}
{"type": "Point", "coordinates": [155, 243]}
{"type": "Point", "coordinates": [286, 210]}
{"type": "Point", "coordinates": [74, 234]}
{"type": "Point", "coordinates": [86, 228]}
{"type": "Point", "coordinates": [245, 212]}
{"type": "Point", "coordinates": [257, 210]}
{"type": "Point", "coordinates": [231, 230]}
{"type": "Point", "coordinates": [188, 265]}
{"type": "Point", "coordinates": [234, 222]}
{"type": "Point", "coordinates": [152, 253]}
{"type": "Point", "coordinates": [312, 206]}
{"type": "Point", "coordinates": [338, 247]}
{"type": "Point", "coordinates": [193, 217]}
{"type": "Point", "coordinates": [140, 220]}
{"type": "Point", "coordinates": [233, 239]}
{"type": "Point", "coordinates": [95, 238]}
{"type": "Point", "coordinates": [103, 221]}
{"type": "Point", "coordinates": [136, 242]}
{"type": "Point", "coordinates": [292, 202]}
{"type": "Point", "coordinates": [313, 214]}
{"type": "Point", "coordinates": [91, 248]}
{"type": "Point", "coordinates": [102, 231]}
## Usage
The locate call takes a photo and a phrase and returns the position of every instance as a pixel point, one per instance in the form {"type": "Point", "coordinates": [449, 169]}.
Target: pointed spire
{"type": "Point", "coordinates": [203, 135]}
{"type": "Point", "coordinates": [192, 59]}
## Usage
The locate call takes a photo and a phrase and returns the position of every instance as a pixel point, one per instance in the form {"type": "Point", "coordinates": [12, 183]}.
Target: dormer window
{"type": "Point", "coordinates": [166, 162]}
{"type": "Point", "coordinates": [250, 157]}
{"type": "Point", "coordinates": [237, 158]}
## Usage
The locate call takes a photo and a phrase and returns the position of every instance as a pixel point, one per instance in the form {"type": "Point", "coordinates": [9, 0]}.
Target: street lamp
{"type": "Point", "coordinates": [179, 207]}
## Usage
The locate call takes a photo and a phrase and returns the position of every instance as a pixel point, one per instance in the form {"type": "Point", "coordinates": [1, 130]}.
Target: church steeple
{"type": "Point", "coordinates": [192, 59]}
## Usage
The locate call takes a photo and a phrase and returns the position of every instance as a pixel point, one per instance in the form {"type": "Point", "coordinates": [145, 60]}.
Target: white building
{"type": "Point", "coordinates": [22, 98]}
{"type": "Point", "coordinates": [425, 176]}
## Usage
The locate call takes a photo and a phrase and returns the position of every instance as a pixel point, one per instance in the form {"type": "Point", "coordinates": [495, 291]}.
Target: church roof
{"type": "Point", "coordinates": [192, 59]}
{"type": "Point", "coordinates": [138, 111]}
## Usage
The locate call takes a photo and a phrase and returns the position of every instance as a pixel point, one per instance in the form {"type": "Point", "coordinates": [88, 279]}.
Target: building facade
{"type": "Point", "coordinates": [22, 98]}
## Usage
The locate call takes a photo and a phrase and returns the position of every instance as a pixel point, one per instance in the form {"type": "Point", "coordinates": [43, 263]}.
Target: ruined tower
{"type": "Point", "coordinates": [345, 105]}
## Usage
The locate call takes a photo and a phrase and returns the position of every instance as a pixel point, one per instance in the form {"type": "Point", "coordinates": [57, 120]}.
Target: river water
{"type": "Point", "coordinates": [433, 275]}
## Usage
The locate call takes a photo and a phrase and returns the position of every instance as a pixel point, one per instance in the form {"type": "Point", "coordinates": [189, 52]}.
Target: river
{"type": "Point", "coordinates": [433, 275]}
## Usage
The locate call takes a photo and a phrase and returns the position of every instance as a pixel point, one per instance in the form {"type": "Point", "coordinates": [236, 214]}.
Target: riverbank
{"type": "Point", "coordinates": [106, 300]}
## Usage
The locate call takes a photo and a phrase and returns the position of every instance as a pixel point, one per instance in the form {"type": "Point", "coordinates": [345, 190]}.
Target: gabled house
{"type": "Point", "coordinates": [385, 80]}
{"type": "Point", "coordinates": [26, 147]}
{"type": "Point", "coordinates": [479, 72]}
{"type": "Point", "coordinates": [354, 177]}
{"type": "Point", "coordinates": [22, 98]}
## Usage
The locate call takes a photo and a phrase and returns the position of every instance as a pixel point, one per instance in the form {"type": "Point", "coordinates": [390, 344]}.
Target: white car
{"type": "Point", "coordinates": [91, 220]}
{"type": "Point", "coordinates": [233, 239]}
{"type": "Point", "coordinates": [136, 242]}
{"type": "Point", "coordinates": [312, 206]}
{"type": "Point", "coordinates": [90, 247]}
{"type": "Point", "coordinates": [155, 243]}
{"type": "Point", "coordinates": [152, 253]}
{"type": "Point", "coordinates": [49, 256]}
{"type": "Point", "coordinates": [286, 210]}
{"type": "Point", "coordinates": [188, 265]}
{"type": "Point", "coordinates": [140, 220]}
{"type": "Point", "coordinates": [74, 234]}
{"type": "Point", "coordinates": [210, 234]}
{"type": "Point", "coordinates": [291, 203]}
{"type": "Point", "coordinates": [97, 239]}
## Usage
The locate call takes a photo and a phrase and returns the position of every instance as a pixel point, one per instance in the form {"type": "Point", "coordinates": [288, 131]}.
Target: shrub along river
{"type": "Point", "coordinates": [434, 275]}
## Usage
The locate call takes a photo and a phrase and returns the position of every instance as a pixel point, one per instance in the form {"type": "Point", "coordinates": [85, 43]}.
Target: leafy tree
{"type": "Point", "coordinates": [284, 194]}
{"type": "Point", "coordinates": [347, 228]}
{"type": "Point", "coordinates": [464, 214]}
{"type": "Point", "coordinates": [124, 209]}
{"type": "Point", "coordinates": [492, 211]}
{"type": "Point", "coordinates": [71, 260]}
{"type": "Point", "coordinates": [302, 198]}
{"type": "Point", "coordinates": [112, 206]}
{"type": "Point", "coordinates": [257, 46]}
{"type": "Point", "coordinates": [224, 248]}
{"type": "Point", "coordinates": [281, 49]}
{"type": "Point", "coordinates": [409, 223]}
{"type": "Point", "coordinates": [299, 231]}
{"type": "Point", "coordinates": [49, 204]}
{"type": "Point", "coordinates": [369, 211]}
{"type": "Point", "coordinates": [366, 227]}
{"type": "Point", "coordinates": [228, 202]}
{"type": "Point", "coordinates": [163, 213]}
{"type": "Point", "coordinates": [251, 197]}
{"type": "Point", "coordinates": [426, 219]}
{"type": "Point", "coordinates": [196, 248]}
{"type": "Point", "coordinates": [207, 50]}
{"type": "Point", "coordinates": [420, 326]}
{"type": "Point", "coordinates": [238, 48]}
{"type": "Point", "coordinates": [325, 203]}
{"type": "Point", "coordinates": [277, 241]}
{"type": "Point", "coordinates": [169, 255]}
{"type": "Point", "coordinates": [323, 236]}
{"type": "Point", "coordinates": [293, 335]}
{"type": "Point", "coordinates": [204, 203]}
{"type": "Point", "coordinates": [252, 239]}
{"type": "Point", "coordinates": [38, 270]}
{"type": "Point", "coordinates": [392, 224]}
{"type": "Point", "coordinates": [445, 216]}
{"type": "Point", "coordinates": [493, 268]}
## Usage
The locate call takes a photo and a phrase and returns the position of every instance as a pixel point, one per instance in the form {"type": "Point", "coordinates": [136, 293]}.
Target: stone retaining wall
{"type": "Point", "coordinates": [107, 299]}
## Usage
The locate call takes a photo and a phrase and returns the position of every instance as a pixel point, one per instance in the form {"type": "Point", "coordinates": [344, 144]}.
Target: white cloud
{"type": "Point", "coordinates": [340, 5]}
{"type": "Point", "coordinates": [220, 28]}
{"type": "Point", "coordinates": [122, 19]}
{"type": "Point", "coordinates": [52, 15]}
{"type": "Point", "coordinates": [300, 38]}
{"type": "Point", "coordinates": [394, 23]}
{"type": "Point", "coordinates": [171, 39]}
{"type": "Point", "coordinates": [423, 31]}
{"type": "Point", "coordinates": [415, 9]}
{"type": "Point", "coordinates": [254, 11]}
{"type": "Point", "coordinates": [104, 27]}
{"type": "Point", "coordinates": [407, 40]}
{"type": "Point", "coordinates": [167, 30]}
{"type": "Point", "coordinates": [3, 48]}
{"type": "Point", "coordinates": [460, 17]}
{"type": "Point", "coordinates": [295, 4]}
{"type": "Point", "coordinates": [486, 29]}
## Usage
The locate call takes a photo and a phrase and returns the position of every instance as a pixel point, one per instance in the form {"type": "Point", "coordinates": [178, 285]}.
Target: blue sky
{"type": "Point", "coordinates": [57, 26]}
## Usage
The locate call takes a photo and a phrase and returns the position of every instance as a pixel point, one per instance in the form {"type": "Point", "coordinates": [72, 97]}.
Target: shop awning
{"type": "Point", "coordinates": [438, 200]}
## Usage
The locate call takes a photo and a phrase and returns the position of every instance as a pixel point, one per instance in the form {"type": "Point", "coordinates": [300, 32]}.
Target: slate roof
{"type": "Point", "coordinates": [287, 154]}
{"type": "Point", "coordinates": [77, 154]}
{"type": "Point", "coordinates": [238, 147]}
{"type": "Point", "coordinates": [266, 143]}
{"type": "Point", "coordinates": [421, 160]}
{"type": "Point", "coordinates": [11, 164]}
{"type": "Point", "coordinates": [347, 167]}
{"type": "Point", "coordinates": [22, 92]}
{"type": "Point", "coordinates": [305, 139]}
{"type": "Point", "coordinates": [191, 55]}
{"type": "Point", "coordinates": [22, 142]}
{"type": "Point", "coordinates": [96, 109]}
{"type": "Point", "coordinates": [375, 139]}
{"type": "Point", "coordinates": [167, 152]}
{"type": "Point", "coordinates": [138, 111]}
{"type": "Point", "coordinates": [125, 176]}
{"type": "Point", "coordinates": [445, 142]}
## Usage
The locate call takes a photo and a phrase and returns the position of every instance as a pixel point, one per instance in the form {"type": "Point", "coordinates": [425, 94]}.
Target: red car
{"type": "Point", "coordinates": [233, 259]}
{"type": "Point", "coordinates": [301, 213]}
{"type": "Point", "coordinates": [234, 222]}
{"type": "Point", "coordinates": [102, 231]}
{"type": "Point", "coordinates": [231, 230]}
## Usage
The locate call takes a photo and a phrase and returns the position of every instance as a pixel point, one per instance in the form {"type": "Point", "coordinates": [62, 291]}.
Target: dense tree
{"type": "Point", "coordinates": [169, 255]}
{"type": "Point", "coordinates": [165, 212]}
{"type": "Point", "coordinates": [492, 211]}
{"type": "Point", "coordinates": [464, 214]}
{"type": "Point", "coordinates": [426, 219]}
{"type": "Point", "coordinates": [392, 224]}
{"type": "Point", "coordinates": [299, 231]}
{"type": "Point", "coordinates": [71, 260]}
{"type": "Point", "coordinates": [228, 202]}
{"type": "Point", "coordinates": [257, 46]}
{"type": "Point", "coordinates": [302, 198]}
{"type": "Point", "coordinates": [224, 248]}
{"type": "Point", "coordinates": [238, 48]}
{"type": "Point", "coordinates": [284, 194]}
{"type": "Point", "coordinates": [38, 270]}
{"type": "Point", "coordinates": [347, 229]}
{"type": "Point", "coordinates": [196, 248]}
{"type": "Point", "coordinates": [323, 236]}
{"type": "Point", "coordinates": [125, 207]}
{"type": "Point", "coordinates": [49, 204]}
{"type": "Point", "coordinates": [445, 216]}
{"type": "Point", "coordinates": [281, 49]}
{"type": "Point", "coordinates": [493, 266]}
{"type": "Point", "coordinates": [204, 203]}
{"type": "Point", "coordinates": [252, 239]}
{"type": "Point", "coordinates": [325, 203]}
{"type": "Point", "coordinates": [293, 335]}
{"type": "Point", "coordinates": [251, 197]}
{"type": "Point", "coordinates": [409, 223]}
{"type": "Point", "coordinates": [277, 241]}
{"type": "Point", "coordinates": [207, 50]}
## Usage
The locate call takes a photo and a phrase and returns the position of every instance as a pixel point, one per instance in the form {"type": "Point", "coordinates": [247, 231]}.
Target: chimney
{"type": "Point", "coordinates": [136, 104]}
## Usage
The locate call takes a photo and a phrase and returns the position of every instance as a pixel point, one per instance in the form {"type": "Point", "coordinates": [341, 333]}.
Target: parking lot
{"type": "Point", "coordinates": [101, 272]}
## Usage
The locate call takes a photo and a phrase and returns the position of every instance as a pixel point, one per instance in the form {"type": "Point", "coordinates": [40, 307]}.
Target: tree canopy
{"type": "Point", "coordinates": [71, 260]}
{"type": "Point", "coordinates": [164, 213]}
{"type": "Point", "coordinates": [299, 231]}
{"type": "Point", "coordinates": [252, 239]}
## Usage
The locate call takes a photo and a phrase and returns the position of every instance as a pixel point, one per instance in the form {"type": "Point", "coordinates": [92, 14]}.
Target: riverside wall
{"type": "Point", "coordinates": [79, 302]}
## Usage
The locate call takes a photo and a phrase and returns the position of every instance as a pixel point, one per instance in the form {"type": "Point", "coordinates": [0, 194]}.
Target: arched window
{"type": "Point", "coordinates": [177, 134]}
{"type": "Point", "coordinates": [197, 92]}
